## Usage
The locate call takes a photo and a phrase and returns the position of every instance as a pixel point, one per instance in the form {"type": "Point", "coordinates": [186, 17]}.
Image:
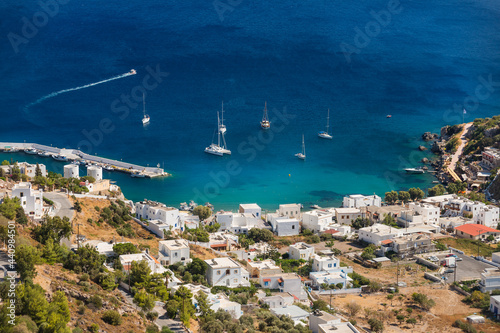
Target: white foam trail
{"type": "Point", "coordinates": [38, 101]}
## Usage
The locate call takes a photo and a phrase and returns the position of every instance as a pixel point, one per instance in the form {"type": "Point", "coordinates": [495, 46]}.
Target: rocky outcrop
{"type": "Point", "coordinates": [425, 160]}
{"type": "Point", "coordinates": [428, 136]}
{"type": "Point", "coordinates": [422, 148]}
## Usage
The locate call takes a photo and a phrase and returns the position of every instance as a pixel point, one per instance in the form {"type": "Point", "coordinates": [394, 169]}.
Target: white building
{"type": "Point", "coordinates": [335, 277]}
{"type": "Point", "coordinates": [323, 322]}
{"type": "Point", "coordinates": [430, 213]}
{"type": "Point", "coordinates": [31, 200]}
{"type": "Point", "coordinates": [104, 248]}
{"type": "Point", "coordinates": [173, 251]}
{"type": "Point", "coordinates": [95, 172]}
{"type": "Point", "coordinates": [289, 210]}
{"type": "Point", "coordinates": [293, 312]}
{"type": "Point", "coordinates": [377, 233]}
{"type": "Point", "coordinates": [253, 209]}
{"type": "Point", "coordinates": [358, 201]}
{"type": "Point", "coordinates": [238, 222]}
{"type": "Point", "coordinates": [71, 171]}
{"type": "Point", "coordinates": [30, 169]}
{"type": "Point", "coordinates": [495, 306]}
{"type": "Point", "coordinates": [300, 250]}
{"type": "Point", "coordinates": [278, 300]}
{"type": "Point", "coordinates": [159, 216]}
{"type": "Point", "coordinates": [264, 267]}
{"type": "Point", "coordinates": [347, 215]}
{"type": "Point", "coordinates": [189, 221]}
{"type": "Point", "coordinates": [283, 225]}
{"type": "Point", "coordinates": [450, 223]}
{"type": "Point", "coordinates": [324, 263]}
{"type": "Point", "coordinates": [490, 280]}
{"type": "Point", "coordinates": [226, 272]}
{"type": "Point", "coordinates": [317, 220]}
{"type": "Point", "coordinates": [155, 266]}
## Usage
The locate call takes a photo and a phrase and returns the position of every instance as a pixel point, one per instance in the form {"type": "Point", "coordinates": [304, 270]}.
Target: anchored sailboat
{"type": "Point", "coordinates": [323, 134]}
{"type": "Point", "coordinates": [265, 123]}
{"type": "Point", "coordinates": [218, 149]}
{"type": "Point", "coordinates": [145, 118]}
{"type": "Point", "coordinates": [302, 155]}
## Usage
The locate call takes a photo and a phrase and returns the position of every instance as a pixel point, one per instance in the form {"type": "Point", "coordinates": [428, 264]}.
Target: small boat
{"type": "Point", "coordinates": [59, 157]}
{"type": "Point", "coordinates": [323, 134]}
{"type": "Point", "coordinates": [11, 150]}
{"type": "Point", "coordinates": [137, 174]}
{"type": "Point", "coordinates": [132, 71]}
{"type": "Point", "coordinates": [265, 123]}
{"type": "Point", "coordinates": [44, 154]}
{"type": "Point", "coordinates": [415, 170]}
{"type": "Point", "coordinates": [108, 168]}
{"type": "Point", "coordinates": [145, 118]}
{"type": "Point", "coordinates": [389, 116]}
{"type": "Point", "coordinates": [302, 155]}
{"type": "Point", "coordinates": [220, 148]}
{"type": "Point", "coordinates": [315, 207]}
{"type": "Point", "coordinates": [31, 151]}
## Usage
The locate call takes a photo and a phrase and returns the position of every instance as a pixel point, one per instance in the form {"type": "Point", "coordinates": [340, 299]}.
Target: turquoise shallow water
{"type": "Point", "coordinates": [426, 59]}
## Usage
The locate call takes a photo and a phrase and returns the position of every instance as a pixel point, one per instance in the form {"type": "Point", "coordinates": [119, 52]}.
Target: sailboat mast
{"type": "Point", "coordinates": [303, 146]}
{"type": "Point", "coordinates": [143, 104]}
{"type": "Point", "coordinates": [327, 121]}
{"type": "Point", "coordinates": [218, 130]}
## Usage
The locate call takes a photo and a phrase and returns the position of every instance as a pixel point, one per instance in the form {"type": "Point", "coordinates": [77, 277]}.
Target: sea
{"type": "Point", "coordinates": [421, 62]}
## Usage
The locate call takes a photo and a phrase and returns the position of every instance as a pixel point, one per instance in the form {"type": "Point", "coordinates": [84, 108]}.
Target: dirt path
{"type": "Point", "coordinates": [463, 141]}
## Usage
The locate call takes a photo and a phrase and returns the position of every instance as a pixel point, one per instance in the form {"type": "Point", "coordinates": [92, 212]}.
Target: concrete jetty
{"type": "Point", "coordinates": [77, 155]}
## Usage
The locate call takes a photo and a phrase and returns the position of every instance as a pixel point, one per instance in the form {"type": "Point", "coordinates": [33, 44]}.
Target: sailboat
{"type": "Point", "coordinates": [145, 118]}
{"type": "Point", "coordinates": [265, 123]}
{"type": "Point", "coordinates": [323, 134]}
{"type": "Point", "coordinates": [218, 149]}
{"type": "Point", "coordinates": [302, 155]}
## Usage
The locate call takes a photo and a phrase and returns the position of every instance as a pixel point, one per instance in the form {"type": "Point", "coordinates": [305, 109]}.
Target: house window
{"type": "Point", "coordinates": [293, 227]}
{"type": "Point", "coordinates": [329, 265]}
{"type": "Point", "coordinates": [235, 280]}
{"type": "Point", "coordinates": [266, 283]}
{"type": "Point", "coordinates": [228, 271]}
{"type": "Point", "coordinates": [218, 272]}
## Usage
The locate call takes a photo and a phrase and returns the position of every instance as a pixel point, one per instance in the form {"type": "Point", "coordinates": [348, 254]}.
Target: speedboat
{"type": "Point", "coordinates": [59, 157]}
{"type": "Point", "coordinates": [415, 170]}
{"type": "Point", "coordinates": [137, 174]}
{"type": "Point", "coordinates": [31, 151]}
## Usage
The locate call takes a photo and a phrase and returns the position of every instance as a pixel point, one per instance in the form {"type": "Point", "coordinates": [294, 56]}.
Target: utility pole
{"type": "Point", "coordinates": [397, 273]}
{"type": "Point", "coordinates": [478, 240]}
{"type": "Point", "coordinates": [78, 235]}
{"type": "Point", "coordinates": [455, 271]}
{"type": "Point", "coordinates": [331, 291]}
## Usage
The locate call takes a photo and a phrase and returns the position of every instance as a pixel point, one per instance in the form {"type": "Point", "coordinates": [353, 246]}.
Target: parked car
{"type": "Point", "coordinates": [451, 255]}
{"type": "Point", "coordinates": [448, 271]}
{"type": "Point", "coordinates": [458, 259]}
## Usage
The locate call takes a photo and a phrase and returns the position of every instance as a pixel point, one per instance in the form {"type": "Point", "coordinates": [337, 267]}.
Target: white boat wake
{"type": "Point", "coordinates": [54, 94]}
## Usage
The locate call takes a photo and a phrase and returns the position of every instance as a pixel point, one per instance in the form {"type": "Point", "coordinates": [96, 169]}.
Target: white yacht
{"type": "Point", "coordinates": [220, 148]}
{"type": "Point", "coordinates": [145, 118]}
{"type": "Point", "coordinates": [31, 151]}
{"type": "Point", "coordinates": [302, 155]}
{"type": "Point", "coordinates": [414, 170]}
{"type": "Point", "coordinates": [323, 134]}
{"type": "Point", "coordinates": [265, 123]}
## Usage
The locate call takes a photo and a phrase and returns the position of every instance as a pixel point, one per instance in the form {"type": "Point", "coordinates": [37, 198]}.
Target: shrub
{"type": "Point", "coordinates": [94, 328]}
{"type": "Point", "coordinates": [96, 301]}
{"type": "Point", "coordinates": [112, 317]}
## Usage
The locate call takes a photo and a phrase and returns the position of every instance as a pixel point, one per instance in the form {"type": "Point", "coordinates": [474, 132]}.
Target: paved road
{"type": "Point", "coordinates": [62, 204]}
{"type": "Point", "coordinates": [467, 269]}
{"type": "Point", "coordinates": [463, 141]}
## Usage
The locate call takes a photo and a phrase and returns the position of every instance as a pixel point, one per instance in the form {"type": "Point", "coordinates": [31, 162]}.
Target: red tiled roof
{"type": "Point", "coordinates": [267, 280]}
{"type": "Point", "coordinates": [331, 231]}
{"type": "Point", "coordinates": [280, 280]}
{"type": "Point", "coordinates": [475, 229]}
{"type": "Point", "coordinates": [218, 245]}
{"type": "Point", "coordinates": [385, 242]}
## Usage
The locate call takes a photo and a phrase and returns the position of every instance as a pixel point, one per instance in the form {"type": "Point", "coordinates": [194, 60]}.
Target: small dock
{"type": "Point", "coordinates": [77, 155]}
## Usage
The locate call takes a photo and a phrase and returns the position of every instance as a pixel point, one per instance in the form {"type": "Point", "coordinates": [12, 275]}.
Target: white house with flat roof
{"type": "Point", "coordinates": [490, 280]}
{"type": "Point", "coordinates": [226, 272]}
{"type": "Point", "coordinates": [258, 268]}
{"type": "Point", "coordinates": [289, 210]}
{"type": "Point", "coordinates": [173, 251]}
{"type": "Point", "coordinates": [30, 199]}
{"type": "Point", "coordinates": [253, 209]}
{"type": "Point", "coordinates": [324, 263]}
{"type": "Point", "coordinates": [300, 250]}
{"type": "Point", "coordinates": [358, 201]}
{"type": "Point", "coordinates": [278, 300]}
{"type": "Point", "coordinates": [238, 223]}
{"type": "Point", "coordinates": [189, 221]}
{"type": "Point", "coordinates": [155, 266]}
{"type": "Point", "coordinates": [283, 225]}
{"type": "Point", "coordinates": [377, 233]}
{"type": "Point", "coordinates": [347, 215]}
{"type": "Point", "coordinates": [158, 214]}
{"type": "Point", "coordinates": [495, 306]}
{"type": "Point", "coordinates": [324, 322]}
{"type": "Point", "coordinates": [293, 312]}
{"type": "Point", "coordinates": [430, 213]}
{"type": "Point", "coordinates": [317, 220]}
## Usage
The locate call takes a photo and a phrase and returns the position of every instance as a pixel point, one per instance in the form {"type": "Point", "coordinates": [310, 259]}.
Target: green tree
{"type": "Point", "coordinates": [400, 318]}
{"type": "Point", "coordinates": [26, 258]}
{"type": "Point", "coordinates": [54, 228]}
{"type": "Point", "coordinates": [144, 300]}
{"type": "Point", "coordinates": [112, 317]}
{"type": "Point", "coordinates": [360, 223]}
{"type": "Point", "coordinates": [411, 321]}
{"type": "Point", "coordinates": [197, 266]}
{"type": "Point", "coordinates": [203, 304]}
{"type": "Point", "coordinates": [33, 302]}
{"type": "Point", "coordinates": [9, 206]}
{"type": "Point", "coordinates": [376, 325]}
{"type": "Point", "coordinates": [457, 187]}
{"type": "Point", "coordinates": [139, 273]}
{"type": "Point", "coordinates": [124, 248]}
{"type": "Point", "coordinates": [260, 235]}
{"type": "Point", "coordinates": [58, 314]}
{"type": "Point", "coordinates": [203, 212]}
{"type": "Point", "coordinates": [5, 162]}
{"type": "Point", "coordinates": [186, 311]}
{"type": "Point", "coordinates": [49, 252]}
{"type": "Point", "coordinates": [436, 190]}
{"type": "Point", "coordinates": [391, 197]}
{"type": "Point", "coordinates": [404, 196]}
{"type": "Point", "coordinates": [416, 193]}
{"type": "Point", "coordinates": [369, 252]}
{"type": "Point", "coordinates": [423, 301]}
{"type": "Point", "coordinates": [20, 216]}
{"type": "Point", "coordinates": [85, 260]}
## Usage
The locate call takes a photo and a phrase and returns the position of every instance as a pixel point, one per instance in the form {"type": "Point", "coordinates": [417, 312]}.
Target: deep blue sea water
{"type": "Point", "coordinates": [426, 59]}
